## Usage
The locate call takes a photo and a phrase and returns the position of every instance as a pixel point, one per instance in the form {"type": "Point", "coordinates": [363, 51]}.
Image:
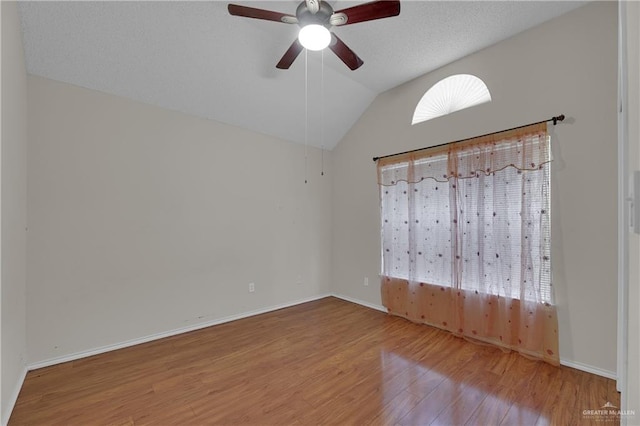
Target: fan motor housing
{"type": "Point", "coordinates": [321, 17]}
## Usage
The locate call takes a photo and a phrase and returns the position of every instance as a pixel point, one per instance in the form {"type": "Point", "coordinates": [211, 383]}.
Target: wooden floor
{"type": "Point", "coordinates": [324, 362]}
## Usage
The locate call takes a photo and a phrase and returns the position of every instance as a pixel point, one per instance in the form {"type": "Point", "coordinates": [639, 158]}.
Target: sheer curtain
{"type": "Point", "coordinates": [466, 239]}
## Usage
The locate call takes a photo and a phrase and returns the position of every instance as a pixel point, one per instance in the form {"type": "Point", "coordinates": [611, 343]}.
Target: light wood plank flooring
{"type": "Point", "coordinates": [323, 362]}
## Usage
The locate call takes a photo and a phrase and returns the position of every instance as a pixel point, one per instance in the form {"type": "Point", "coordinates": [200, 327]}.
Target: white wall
{"type": "Point", "coordinates": [632, 394]}
{"type": "Point", "coordinates": [568, 65]}
{"type": "Point", "coordinates": [144, 220]}
{"type": "Point", "coordinates": [14, 182]}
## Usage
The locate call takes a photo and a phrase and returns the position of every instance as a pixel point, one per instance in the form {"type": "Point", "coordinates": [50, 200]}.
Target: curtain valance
{"type": "Point", "coordinates": [524, 149]}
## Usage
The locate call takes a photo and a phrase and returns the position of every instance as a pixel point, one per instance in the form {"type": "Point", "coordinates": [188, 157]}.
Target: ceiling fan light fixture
{"type": "Point", "coordinates": [314, 37]}
{"type": "Point", "coordinates": [316, 17]}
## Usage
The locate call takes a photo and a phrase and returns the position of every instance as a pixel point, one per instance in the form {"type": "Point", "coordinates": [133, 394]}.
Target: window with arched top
{"type": "Point", "coordinates": [451, 94]}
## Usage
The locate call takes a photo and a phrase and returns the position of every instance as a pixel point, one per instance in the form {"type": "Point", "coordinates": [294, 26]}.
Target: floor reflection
{"type": "Point", "coordinates": [458, 388]}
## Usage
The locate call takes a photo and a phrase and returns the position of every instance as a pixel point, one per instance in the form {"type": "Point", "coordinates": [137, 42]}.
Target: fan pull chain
{"type": "Point", "coordinates": [306, 113]}
{"type": "Point", "coordinates": [322, 115]}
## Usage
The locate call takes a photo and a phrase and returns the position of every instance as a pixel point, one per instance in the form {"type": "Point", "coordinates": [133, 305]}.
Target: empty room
{"type": "Point", "coordinates": [320, 212]}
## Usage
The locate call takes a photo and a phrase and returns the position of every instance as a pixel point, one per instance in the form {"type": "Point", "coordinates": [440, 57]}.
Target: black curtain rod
{"type": "Point", "coordinates": [554, 119]}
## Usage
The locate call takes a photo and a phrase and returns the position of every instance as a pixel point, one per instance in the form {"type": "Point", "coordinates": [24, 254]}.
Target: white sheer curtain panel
{"type": "Point", "coordinates": [466, 239]}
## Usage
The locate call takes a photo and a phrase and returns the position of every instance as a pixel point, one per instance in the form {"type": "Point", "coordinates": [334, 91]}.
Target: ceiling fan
{"type": "Point", "coordinates": [316, 18]}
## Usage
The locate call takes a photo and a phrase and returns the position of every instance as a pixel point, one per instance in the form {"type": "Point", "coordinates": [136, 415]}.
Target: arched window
{"type": "Point", "coordinates": [451, 94]}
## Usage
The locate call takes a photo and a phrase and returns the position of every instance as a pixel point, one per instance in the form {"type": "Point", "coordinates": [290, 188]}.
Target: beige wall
{"type": "Point", "coordinates": [13, 189]}
{"type": "Point", "coordinates": [568, 66]}
{"type": "Point", "coordinates": [143, 221]}
{"type": "Point", "coordinates": [132, 231]}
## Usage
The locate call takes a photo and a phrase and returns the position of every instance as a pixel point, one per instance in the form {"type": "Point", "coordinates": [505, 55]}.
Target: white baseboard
{"type": "Point", "coordinates": [589, 368]}
{"type": "Point", "coordinates": [78, 355]}
{"type": "Point", "coordinates": [162, 335]}
{"type": "Point", "coordinates": [360, 302]}
{"type": "Point", "coordinates": [13, 398]}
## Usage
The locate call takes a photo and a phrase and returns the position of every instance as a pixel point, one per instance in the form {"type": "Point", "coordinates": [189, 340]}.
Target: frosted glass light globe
{"type": "Point", "coordinates": [314, 37]}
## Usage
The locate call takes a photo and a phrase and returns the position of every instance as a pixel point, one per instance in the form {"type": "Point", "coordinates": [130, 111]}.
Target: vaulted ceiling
{"type": "Point", "coordinates": [195, 58]}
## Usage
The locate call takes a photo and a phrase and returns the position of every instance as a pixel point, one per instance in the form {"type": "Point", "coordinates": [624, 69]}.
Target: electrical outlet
{"type": "Point", "coordinates": [299, 281]}
{"type": "Point", "coordinates": [366, 281]}
{"type": "Point", "coordinates": [252, 287]}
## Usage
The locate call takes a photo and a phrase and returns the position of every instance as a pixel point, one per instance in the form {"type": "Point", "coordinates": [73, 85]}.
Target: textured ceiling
{"type": "Point", "coordinates": [196, 58]}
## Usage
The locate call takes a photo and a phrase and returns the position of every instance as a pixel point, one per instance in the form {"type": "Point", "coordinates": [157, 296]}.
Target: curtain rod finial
{"type": "Point", "coordinates": [558, 118]}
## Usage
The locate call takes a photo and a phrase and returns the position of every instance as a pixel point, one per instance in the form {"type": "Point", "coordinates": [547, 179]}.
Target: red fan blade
{"type": "Point", "coordinates": [344, 53]}
{"type": "Point", "coordinates": [290, 55]}
{"type": "Point", "coordinates": [370, 11]}
{"type": "Point", "coordinates": [268, 15]}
